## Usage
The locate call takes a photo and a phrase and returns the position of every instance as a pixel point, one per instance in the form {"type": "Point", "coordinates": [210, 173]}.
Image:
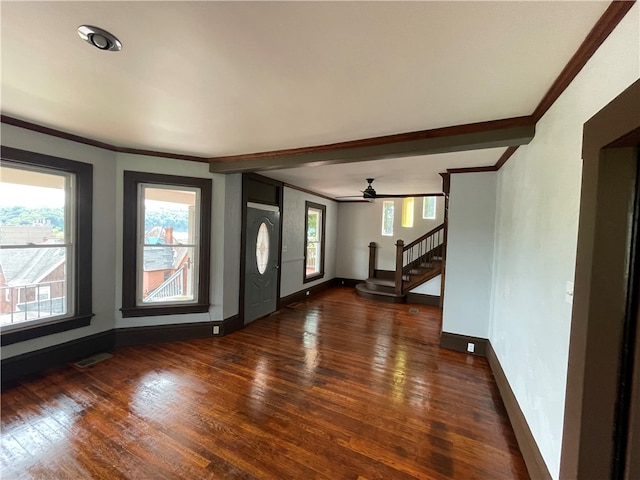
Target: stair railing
{"type": "Point", "coordinates": [422, 250]}
{"type": "Point", "coordinates": [171, 287]}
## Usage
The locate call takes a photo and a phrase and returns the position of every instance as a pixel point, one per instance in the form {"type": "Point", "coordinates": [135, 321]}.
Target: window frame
{"type": "Point", "coordinates": [323, 209]}
{"type": "Point", "coordinates": [435, 207]}
{"type": "Point", "coordinates": [131, 217]}
{"type": "Point", "coordinates": [393, 217]}
{"type": "Point", "coordinates": [80, 271]}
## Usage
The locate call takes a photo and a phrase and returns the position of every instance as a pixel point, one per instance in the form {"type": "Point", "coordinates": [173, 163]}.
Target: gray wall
{"type": "Point", "coordinates": [293, 233]}
{"type": "Point", "coordinates": [470, 238]}
{"type": "Point", "coordinates": [107, 234]}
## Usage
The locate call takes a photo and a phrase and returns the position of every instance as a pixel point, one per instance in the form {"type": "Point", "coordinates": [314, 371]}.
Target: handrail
{"type": "Point", "coordinates": [421, 251]}
{"type": "Point", "coordinates": [418, 240]}
{"type": "Point", "coordinates": [173, 285]}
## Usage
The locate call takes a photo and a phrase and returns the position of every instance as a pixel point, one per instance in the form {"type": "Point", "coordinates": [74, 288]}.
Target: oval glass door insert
{"type": "Point", "coordinates": [262, 248]}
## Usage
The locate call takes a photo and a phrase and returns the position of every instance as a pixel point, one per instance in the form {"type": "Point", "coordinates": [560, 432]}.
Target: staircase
{"type": "Point", "coordinates": [416, 263]}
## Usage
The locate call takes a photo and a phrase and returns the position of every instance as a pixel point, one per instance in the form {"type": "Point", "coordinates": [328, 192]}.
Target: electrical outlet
{"type": "Point", "coordinates": [216, 330]}
{"type": "Point", "coordinates": [471, 347]}
{"type": "Point", "coordinates": [342, 282]}
{"type": "Point", "coordinates": [307, 293]}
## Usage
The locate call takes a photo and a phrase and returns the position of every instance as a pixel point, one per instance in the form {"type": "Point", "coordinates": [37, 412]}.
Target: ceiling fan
{"type": "Point", "coordinates": [369, 193]}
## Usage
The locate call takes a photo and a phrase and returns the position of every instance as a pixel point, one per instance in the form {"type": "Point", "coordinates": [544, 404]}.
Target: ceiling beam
{"type": "Point", "coordinates": [492, 134]}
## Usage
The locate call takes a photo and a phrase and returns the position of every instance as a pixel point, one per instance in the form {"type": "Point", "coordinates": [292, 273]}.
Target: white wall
{"type": "Point", "coordinates": [360, 223]}
{"type": "Point", "coordinates": [104, 238]}
{"type": "Point", "coordinates": [538, 195]}
{"type": "Point", "coordinates": [293, 233]}
{"type": "Point", "coordinates": [470, 238]}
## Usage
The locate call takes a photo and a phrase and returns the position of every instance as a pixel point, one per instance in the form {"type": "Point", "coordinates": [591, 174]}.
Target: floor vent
{"type": "Point", "coordinates": [414, 310]}
{"type": "Point", "coordinates": [93, 359]}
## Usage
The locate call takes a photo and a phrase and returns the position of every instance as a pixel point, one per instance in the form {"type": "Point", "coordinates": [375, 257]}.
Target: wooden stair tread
{"type": "Point", "coordinates": [363, 291]}
{"type": "Point", "coordinates": [383, 282]}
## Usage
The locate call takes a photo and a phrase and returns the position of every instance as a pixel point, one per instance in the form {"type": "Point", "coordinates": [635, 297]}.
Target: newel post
{"type": "Point", "coordinates": [372, 259]}
{"type": "Point", "coordinates": [398, 277]}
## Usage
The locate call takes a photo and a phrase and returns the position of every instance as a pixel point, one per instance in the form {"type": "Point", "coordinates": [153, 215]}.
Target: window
{"type": "Point", "coordinates": [429, 208]}
{"type": "Point", "coordinates": [166, 244]}
{"type": "Point", "coordinates": [314, 241]}
{"type": "Point", "coordinates": [387, 218]}
{"type": "Point", "coordinates": [407, 212]}
{"type": "Point", "coordinates": [45, 245]}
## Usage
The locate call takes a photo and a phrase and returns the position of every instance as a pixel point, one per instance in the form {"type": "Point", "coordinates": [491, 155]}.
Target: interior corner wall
{"type": "Point", "coordinates": [538, 197]}
{"type": "Point", "coordinates": [103, 234]}
{"type": "Point", "coordinates": [360, 223]}
{"type": "Point", "coordinates": [293, 233]}
{"type": "Point", "coordinates": [470, 249]}
{"type": "Point", "coordinates": [228, 280]}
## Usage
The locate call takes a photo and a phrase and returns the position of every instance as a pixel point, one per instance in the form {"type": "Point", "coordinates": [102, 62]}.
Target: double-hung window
{"type": "Point", "coordinates": [166, 244]}
{"type": "Point", "coordinates": [314, 241]}
{"type": "Point", "coordinates": [45, 244]}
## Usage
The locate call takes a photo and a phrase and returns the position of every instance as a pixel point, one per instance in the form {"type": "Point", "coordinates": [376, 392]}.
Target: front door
{"type": "Point", "coordinates": [261, 261]}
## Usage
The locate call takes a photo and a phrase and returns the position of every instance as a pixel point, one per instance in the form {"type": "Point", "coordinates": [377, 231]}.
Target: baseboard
{"type": "Point", "coordinates": [305, 293]}
{"type": "Point", "coordinates": [174, 332]}
{"type": "Point", "coordinates": [34, 362]}
{"type": "Point", "coordinates": [528, 447]}
{"type": "Point", "coordinates": [423, 299]}
{"type": "Point", "coordinates": [459, 343]}
{"type": "Point", "coordinates": [346, 282]}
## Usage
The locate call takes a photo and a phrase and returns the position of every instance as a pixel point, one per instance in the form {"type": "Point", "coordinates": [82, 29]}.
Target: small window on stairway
{"type": "Point", "coordinates": [387, 218]}
{"type": "Point", "coordinates": [407, 212]}
{"type": "Point", "coordinates": [429, 208]}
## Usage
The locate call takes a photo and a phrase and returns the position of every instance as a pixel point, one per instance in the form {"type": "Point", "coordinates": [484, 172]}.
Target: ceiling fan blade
{"type": "Point", "coordinates": [350, 196]}
{"type": "Point", "coordinates": [389, 195]}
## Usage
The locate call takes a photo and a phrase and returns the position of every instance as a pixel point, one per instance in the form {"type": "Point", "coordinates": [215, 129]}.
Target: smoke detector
{"type": "Point", "coordinates": [99, 38]}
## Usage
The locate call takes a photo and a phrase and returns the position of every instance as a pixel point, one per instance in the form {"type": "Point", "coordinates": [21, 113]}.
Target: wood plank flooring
{"type": "Point", "coordinates": [338, 387]}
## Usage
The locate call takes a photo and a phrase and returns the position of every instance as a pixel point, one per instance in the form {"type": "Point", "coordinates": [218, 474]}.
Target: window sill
{"type": "Point", "coordinates": [313, 278]}
{"type": "Point", "coordinates": [30, 332]}
{"type": "Point", "coordinates": [129, 312]}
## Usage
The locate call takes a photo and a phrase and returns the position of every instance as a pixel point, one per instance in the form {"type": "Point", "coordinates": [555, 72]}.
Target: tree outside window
{"type": "Point", "coordinates": [387, 218]}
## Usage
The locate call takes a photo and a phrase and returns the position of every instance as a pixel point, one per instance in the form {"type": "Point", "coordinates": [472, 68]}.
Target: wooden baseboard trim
{"type": "Point", "coordinates": [459, 343]}
{"type": "Point", "coordinates": [528, 447]}
{"type": "Point", "coordinates": [423, 299]}
{"type": "Point", "coordinates": [346, 282]}
{"type": "Point", "coordinates": [35, 362]}
{"type": "Point", "coordinates": [306, 293]}
{"type": "Point", "coordinates": [174, 332]}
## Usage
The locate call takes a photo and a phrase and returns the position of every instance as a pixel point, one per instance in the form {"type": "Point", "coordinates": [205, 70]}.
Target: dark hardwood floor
{"type": "Point", "coordinates": [338, 387]}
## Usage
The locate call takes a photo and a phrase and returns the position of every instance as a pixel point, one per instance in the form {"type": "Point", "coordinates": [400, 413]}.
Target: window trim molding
{"type": "Point", "coordinates": [82, 237]}
{"type": "Point", "coordinates": [130, 219]}
{"type": "Point", "coordinates": [323, 208]}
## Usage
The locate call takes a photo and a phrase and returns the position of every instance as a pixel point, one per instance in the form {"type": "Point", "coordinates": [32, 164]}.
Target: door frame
{"type": "Point", "coordinates": [266, 191]}
{"type": "Point", "coordinates": [601, 292]}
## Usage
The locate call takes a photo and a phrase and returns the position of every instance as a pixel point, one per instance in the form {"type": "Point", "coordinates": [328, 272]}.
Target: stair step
{"type": "Point", "coordinates": [363, 291]}
{"type": "Point", "coordinates": [381, 285]}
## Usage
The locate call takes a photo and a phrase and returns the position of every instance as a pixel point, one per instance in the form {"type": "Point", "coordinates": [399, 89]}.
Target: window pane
{"type": "Point", "coordinates": [429, 208]}
{"type": "Point", "coordinates": [35, 245]}
{"type": "Point", "coordinates": [169, 245]}
{"type": "Point", "coordinates": [262, 248]}
{"type": "Point", "coordinates": [387, 218]}
{"type": "Point", "coordinates": [314, 235]}
{"type": "Point", "coordinates": [407, 212]}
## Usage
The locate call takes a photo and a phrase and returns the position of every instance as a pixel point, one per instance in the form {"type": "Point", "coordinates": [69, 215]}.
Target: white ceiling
{"type": "Point", "coordinates": [224, 78]}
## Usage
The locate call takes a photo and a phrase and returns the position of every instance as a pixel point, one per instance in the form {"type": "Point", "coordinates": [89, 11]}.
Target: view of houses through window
{"type": "Point", "coordinates": [36, 251]}
{"type": "Point", "coordinates": [168, 235]}
{"type": "Point", "coordinates": [314, 246]}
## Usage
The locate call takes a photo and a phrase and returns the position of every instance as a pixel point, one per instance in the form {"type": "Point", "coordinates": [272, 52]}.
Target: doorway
{"type": "Point", "coordinates": [261, 261]}
{"type": "Point", "coordinates": [600, 438]}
